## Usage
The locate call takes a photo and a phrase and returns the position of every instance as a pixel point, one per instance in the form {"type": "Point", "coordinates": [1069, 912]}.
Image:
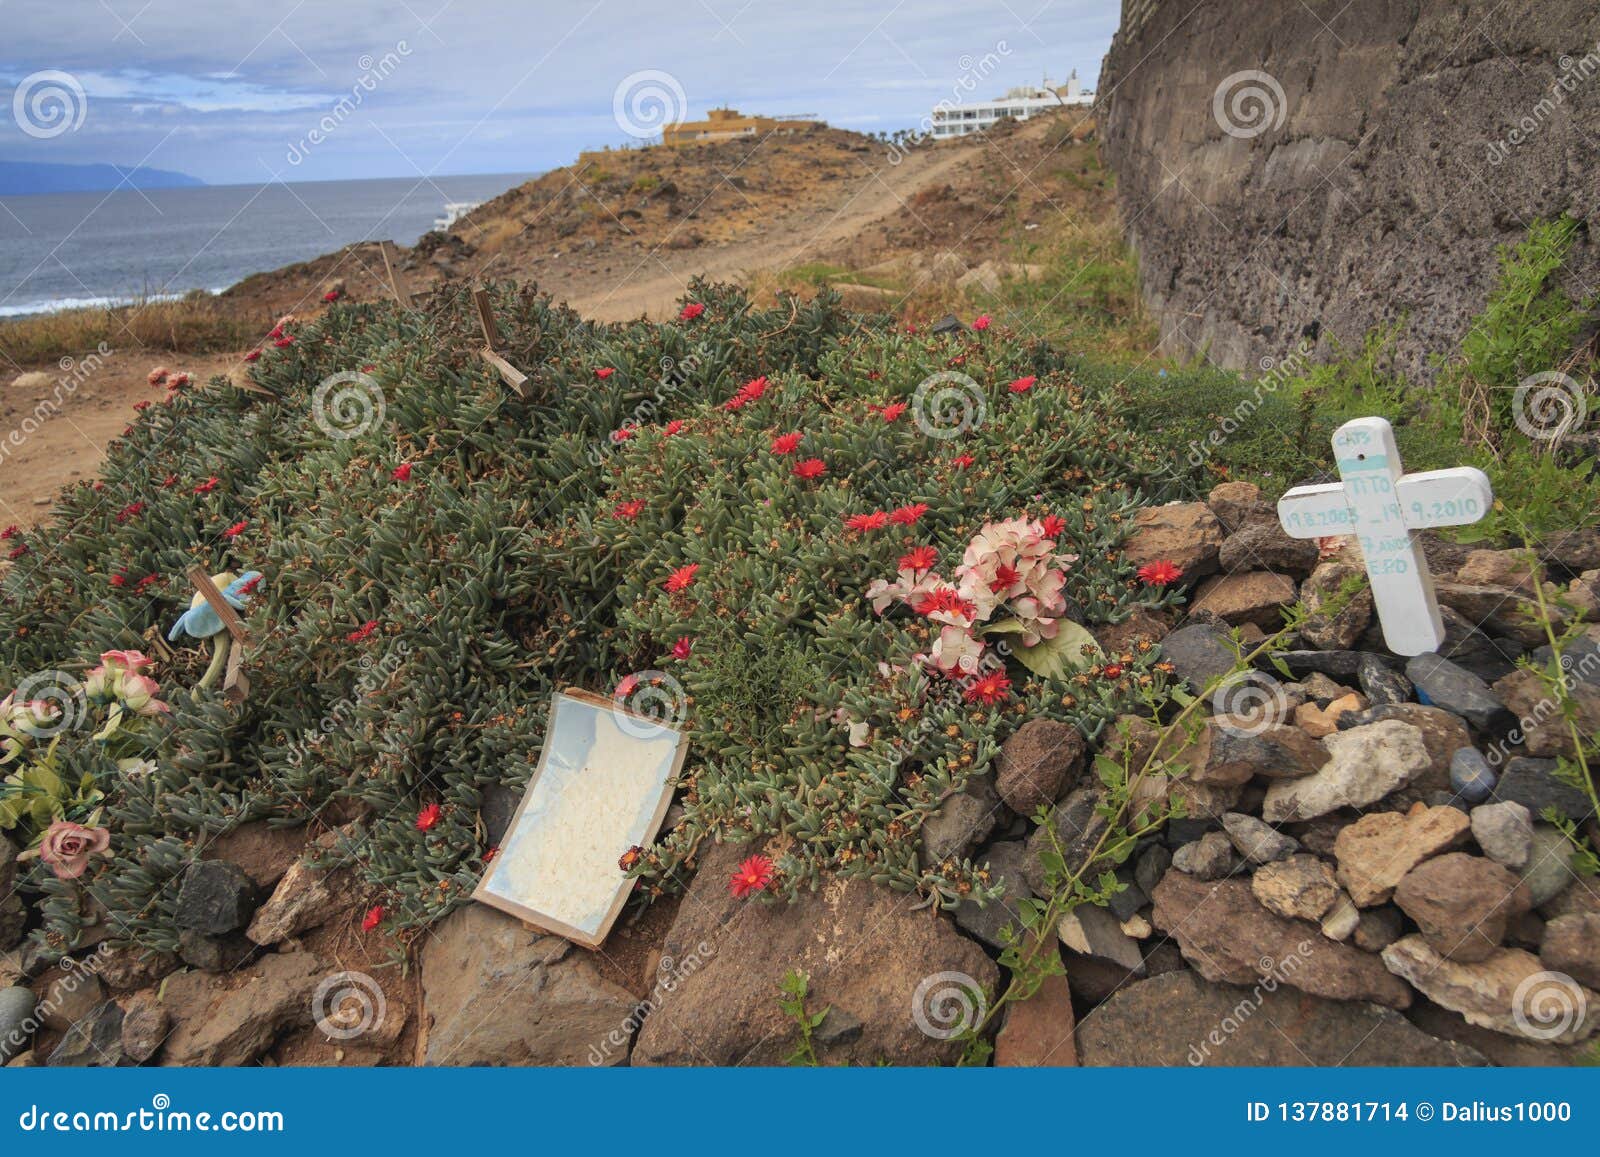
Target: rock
{"type": "Point", "coordinates": [1504, 612]}
{"type": "Point", "coordinates": [1209, 858]}
{"type": "Point", "coordinates": [1177, 1019]}
{"type": "Point", "coordinates": [1544, 728]}
{"type": "Point", "coordinates": [131, 967]}
{"type": "Point", "coordinates": [1377, 928]}
{"type": "Point", "coordinates": [1270, 751]}
{"type": "Point", "coordinates": [32, 381]}
{"type": "Point", "coordinates": [500, 994]}
{"type": "Point", "coordinates": [1321, 722]}
{"type": "Point", "coordinates": [1235, 503]}
{"type": "Point", "coordinates": [1470, 775]}
{"type": "Point", "coordinates": [1199, 654]}
{"type": "Point", "coordinates": [1253, 597]}
{"type": "Point", "coordinates": [1152, 864]}
{"type": "Point", "coordinates": [497, 809]}
{"type": "Point", "coordinates": [1549, 871]}
{"type": "Point", "coordinates": [1185, 533]}
{"type": "Point", "coordinates": [1340, 665]}
{"type": "Point", "coordinates": [1078, 828]}
{"type": "Point", "coordinates": [216, 1025]}
{"type": "Point", "coordinates": [1582, 898]}
{"type": "Point", "coordinates": [264, 852]}
{"type": "Point", "coordinates": [1258, 842]}
{"type": "Point", "coordinates": [1381, 685]}
{"type": "Point", "coordinates": [13, 915]}
{"type": "Point", "coordinates": [1300, 888]}
{"type": "Point", "coordinates": [1443, 734]}
{"type": "Point", "coordinates": [1137, 927]}
{"type": "Point", "coordinates": [1440, 683]}
{"type": "Point", "coordinates": [1510, 992]}
{"type": "Point", "coordinates": [24, 1060]}
{"type": "Point", "coordinates": [1366, 764]}
{"type": "Point", "coordinates": [1577, 550]}
{"type": "Point", "coordinates": [1376, 851]}
{"type": "Point", "coordinates": [307, 897]}
{"type": "Point", "coordinates": [1007, 865]}
{"type": "Point", "coordinates": [1038, 1031]}
{"type": "Point", "coordinates": [11, 969]}
{"type": "Point", "coordinates": [1093, 931]}
{"type": "Point", "coordinates": [1342, 919]}
{"type": "Point", "coordinates": [1572, 945]}
{"type": "Point", "coordinates": [17, 1021]}
{"type": "Point", "coordinates": [1130, 633]}
{"type": "Point", "coordinates": [1227, 936]}
{"type": "Point", "coordinates": [1505, 833]}
{"type": "Point", "coordinates": [1533, 783]}
{"type": "Point", "coordinates": [1497, 568]}
{"type": "Point", "coordinates": [216, 898]}
{"type": "Point", "coordinates": [838, 1028]}
{"type": "Point", "coordinates": [962, 822]}
{"type": "Point", "coordinates": [213, 953]}
{"type": "Point", "coordinates": [1322, 690]}
{"type": "Point", "coordinates": [1126, 902]}
{"type": "Point", "coordinates": [144, 1029]}
{"type": "Point", "coordinates": [1462, 904]}
{"type": "Point", "coordinates": [865, 951]}
{"type": "Point", "coordinates": [1263, 545]}
{"type": "Point", "coordinates": [1323, 629]}
{"type": "Point", "coordinates": [94, 1040]}
{"type": "Point", "coordinates": [1471, 649]}
{"type": "Point", "coordinates": [70, 994]}
{"type": "Point", "coordinates": [1040, 761]}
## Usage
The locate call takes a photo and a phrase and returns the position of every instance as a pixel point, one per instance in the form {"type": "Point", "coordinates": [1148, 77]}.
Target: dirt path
{"type": "Point", "coordinates": [54, 434]}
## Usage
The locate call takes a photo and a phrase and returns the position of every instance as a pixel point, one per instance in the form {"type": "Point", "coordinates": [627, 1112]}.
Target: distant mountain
{"type": "Point", "coordinates": [20, 178]}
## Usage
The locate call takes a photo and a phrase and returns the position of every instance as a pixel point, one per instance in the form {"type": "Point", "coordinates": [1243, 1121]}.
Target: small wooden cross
{"type": "Point", "coordinates": [1384, 507]}
{"type": "Point", "coordinates": [509, 373]}
{"type": "Point", "coordinates": [235, 683]}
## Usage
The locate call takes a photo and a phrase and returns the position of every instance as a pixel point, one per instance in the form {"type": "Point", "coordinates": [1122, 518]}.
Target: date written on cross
{"type": "Point", "coordinates": [1384, 507]}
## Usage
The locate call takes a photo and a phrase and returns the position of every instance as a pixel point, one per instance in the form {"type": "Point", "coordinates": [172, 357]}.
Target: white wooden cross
{"type": "Point", "coordinates": [1384, 507]}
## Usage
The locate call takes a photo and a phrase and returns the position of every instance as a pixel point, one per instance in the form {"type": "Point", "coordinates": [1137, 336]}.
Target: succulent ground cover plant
{"type": "Point", "coordinates": [692, 515]}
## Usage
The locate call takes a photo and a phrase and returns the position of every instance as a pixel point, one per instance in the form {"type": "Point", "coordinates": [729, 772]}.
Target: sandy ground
{"type": "Point", "coordinates": [52, 436]}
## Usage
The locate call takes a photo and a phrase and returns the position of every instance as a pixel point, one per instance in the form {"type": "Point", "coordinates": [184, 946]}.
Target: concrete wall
{"type": "Point", "coordinates": [1394, 144]}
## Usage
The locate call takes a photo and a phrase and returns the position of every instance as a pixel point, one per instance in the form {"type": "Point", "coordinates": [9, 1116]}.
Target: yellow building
{"type": "Point", "coordinates": [726, 124]}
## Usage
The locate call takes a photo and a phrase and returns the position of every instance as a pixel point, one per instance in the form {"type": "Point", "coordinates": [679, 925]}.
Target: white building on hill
{"type": "Point", "coordinates": [957, 119]}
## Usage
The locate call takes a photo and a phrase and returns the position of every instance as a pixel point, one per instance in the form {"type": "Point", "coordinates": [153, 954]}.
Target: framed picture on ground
{"type": "Point", "coordinates": [603, 785]}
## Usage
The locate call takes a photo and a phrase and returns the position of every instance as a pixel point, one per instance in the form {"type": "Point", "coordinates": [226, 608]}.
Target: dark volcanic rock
{"type": "Point", "coordinates": [1041, 760]}
{"type": "Point", "coordinates": [1199, 654]}
{"type": "Point", "coordinates": [1533, 784]}
{"type": "Point", "coordinates": [216, 898]}
{"type": "Point", "coordinates": [1441, 683]}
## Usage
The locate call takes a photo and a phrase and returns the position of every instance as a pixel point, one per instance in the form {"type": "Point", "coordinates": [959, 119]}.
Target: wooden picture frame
{"type": "Point", "coordinates": [542, 839]}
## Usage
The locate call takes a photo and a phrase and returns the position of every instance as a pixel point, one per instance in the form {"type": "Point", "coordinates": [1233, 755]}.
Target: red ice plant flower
{"type": "Point", "coordinates": [331, 296]}
{"type": "Point", "coordinates": [626, 686]}
{"type": "Point", "coordinates": [237, 529]}
{"type": "Point", "coordinates": [1160, 573]}
{"type": "Point", "coordinates": [488, 856]}
{"type": "Point", "coordinates": [981, 322]}
{"type": "Point", "coordinates": [10, 532]}
{"type": "Point", "coordinates": [604, 372]}
{"type": "Point", "coordinates": [132, 510]}
{"type": "Point", "coordinates": [919, 558]}
{"type": "Point", "coordinates": [119, 579]}
{"type": "Point", "coordinates": [627, 511]}
{"type": "Point", "coordinates": [248, 587]}
{"type": "Point", "coordinates": [253, 356]}
{"type": "Point", "coordinates": [810, 468]}
{"type": "Point", "coordinates": [681, 578]}
{"type": "Point", "coordinates": [962, 461]}
{"type": "Point", "coordinates": [361, 633]}
{"type": "Point", "coordinates": [753, 875]}
{"type": "Point", "coordinates": [683, 648]}
{"type": "Point", "coordinates": [622, 435]}
{"type": "Point", "coordinates": [401, 473]}
{"type": "Point", "coordinates": [141, 405]}
{"type": "Point", "coordinates": [691, 311]}
{"type": "Point", "coordinates": [908, 515]}
{"type": "Point", "coordinates": [1022, 385]}
{"type": "Point", "coordinates": [177, 382]}
{"type": "Point", "coordinates": [785, 443]}
{"type": "Point", "coordinates": [207, 486]}
{"type": "Point", "coordinates": [673, 427]}
{"type": "Point", "coordinates": [747, 393]}
{"type": "Point", "coordinates": [148, 580]}
{"type": "Point", "coordinates": [284, 341]}
{"type": "Point", "coordinates": [877, 520]}
{"type": "Point", "coordinates": [991, 689]}
{"type": "Point", "coordinates": [428, 817]}
{"type": "Point", "coordinates": [892, 411]}
{"type": "Point", "coordinates": [373, 918]}
{"type": "Point", "coordinates": [17, 552]}
{"type": "Point", "coordinates": [1052, 525]}
{"type": "Point", "coordinates": [944, 600]}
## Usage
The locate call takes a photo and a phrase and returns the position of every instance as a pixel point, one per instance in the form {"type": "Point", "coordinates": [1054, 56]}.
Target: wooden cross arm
{"type": "Point", "coordinates": [1444, 497]}
{"type": "Point", "coordinates": [1316, 511]}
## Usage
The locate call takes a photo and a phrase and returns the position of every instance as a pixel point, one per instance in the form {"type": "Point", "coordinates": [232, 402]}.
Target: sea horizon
{"type": "Point", "coordinates": [78, 250]}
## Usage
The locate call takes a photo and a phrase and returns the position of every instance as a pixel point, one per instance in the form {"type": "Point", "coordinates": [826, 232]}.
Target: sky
{"type": "Point", "coordinates": [248, 91]}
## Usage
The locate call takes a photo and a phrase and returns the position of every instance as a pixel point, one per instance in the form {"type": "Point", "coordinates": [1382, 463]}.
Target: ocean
{"type": "Point", "coordinates": [66, 250]}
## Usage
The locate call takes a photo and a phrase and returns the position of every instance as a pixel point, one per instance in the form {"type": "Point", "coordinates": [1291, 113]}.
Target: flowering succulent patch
{"type": "Point", "coordinates": [401, 655]}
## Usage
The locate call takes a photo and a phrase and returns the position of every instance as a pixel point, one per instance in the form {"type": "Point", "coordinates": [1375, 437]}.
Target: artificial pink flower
{"type": "Point", "coordinates": [66, 848]}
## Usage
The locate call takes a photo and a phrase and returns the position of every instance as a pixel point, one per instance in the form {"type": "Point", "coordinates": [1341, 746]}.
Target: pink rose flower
{"type": "Point", "coordinates": [67, 847]}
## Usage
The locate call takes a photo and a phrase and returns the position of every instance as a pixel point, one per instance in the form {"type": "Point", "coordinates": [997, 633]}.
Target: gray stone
{"type": "Point", "coordinates": [1007, 866]}
{"type": "Point", "coordinates": [1502, 993]}
{"type": "Point", "coordinates": [1441, 683]}
{"type": "Point", "coordinates": [1342, 920]}
{"type": "Point", "coordinates": [1199, 654]}
{"type": "Point", "coordinates": [1572, 945]}
{"type": "Point", "coordinates": [962, 822]}
{"type": "Point", "coordinates": [1340, 665]}
{"type": "Point", "coordinates": [1505, 833]}
{"type": "Point", "coordinates": [1268, 751]}
{"type": "Point", "coordinates": [144, 1030]}
{"type": "Point", "coordinates": [13, 915]}
{"type": "Point", "coordinates": [1334, 632]}
{"type": "Point", "coordinates": [1365, 764]}
{"type": "Point", "coordinates": [213, 953]}
{"type": "Point", "coordinates": [16, 1016]}
{"type": "Point", "coordinates": [94, 1041]}
{"type": "Point", "coordinates": [1261, 544]}
{"type": "Point", "coordinates": [1093, 931]}
{"type": "Point", "coordinates": [1151, 865]}
{"type": "Point", "coordinates": [1258, 842]}
{"type": "Point", "coordinates": [1078, 827]}
{"type": "Point", "coordinates": [216, 898]}
{"type": "Point", "coordinates": [1381, 684]}
{"type": "Point", "coordinates": [1126, 904]}
{"type": "Point", "coordinates": [1471, 778]}
{"type": "Point", "coordinates": [1178, 1019]}
{"type": "Point", "coordinates": [225, 1025]}
{"type": "Point", "coordinates": [1378, 928]}
{"type": "Point", "coordinates": [838, 1028]}
{"type": "Point", "coordinates": [1549, 871]}
{"type": "Point", "coordinates": [1533, 784]}
{"type": "Point", "coordinates": [1209, 858]}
